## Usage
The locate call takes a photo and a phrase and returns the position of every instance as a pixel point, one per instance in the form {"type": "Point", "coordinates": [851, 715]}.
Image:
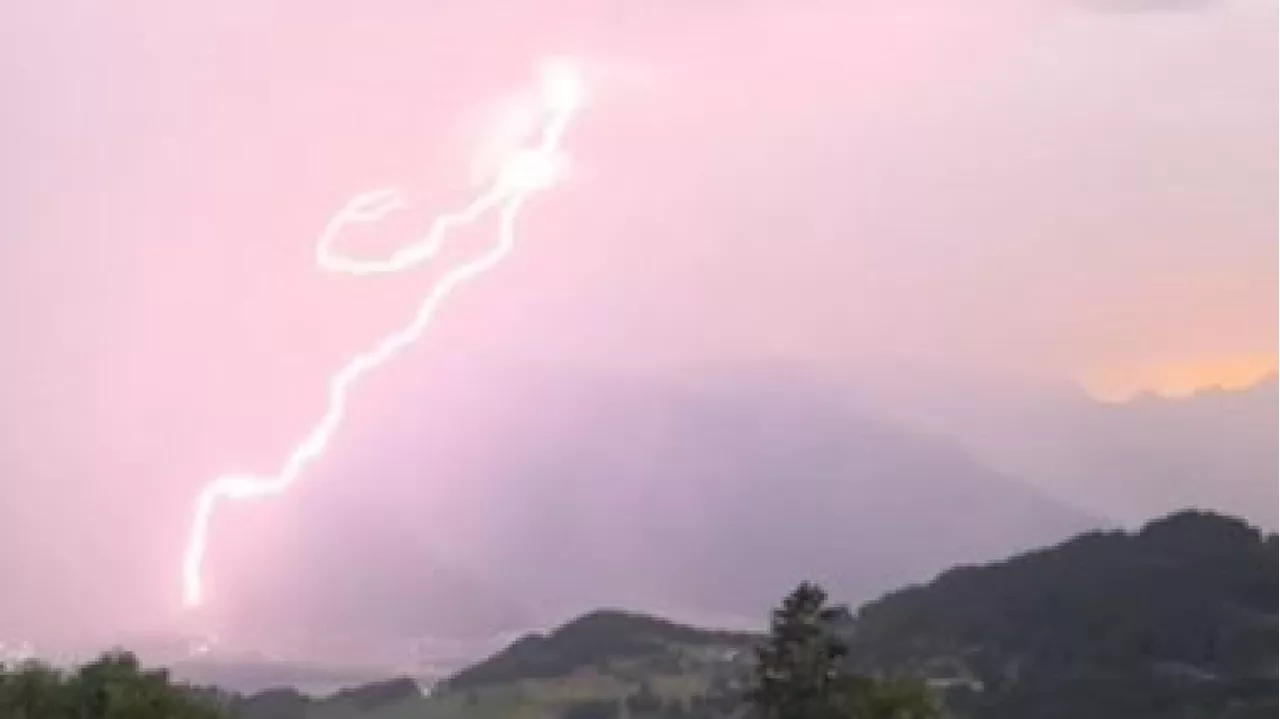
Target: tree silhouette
{"type": "Point", "coordinates": [112, 687]}
{"type": "Point", "coordinates": [800, 670]}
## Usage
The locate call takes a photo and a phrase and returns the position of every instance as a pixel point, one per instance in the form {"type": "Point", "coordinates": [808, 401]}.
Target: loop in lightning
{"type": "Point", "coordinates": [527, 172]}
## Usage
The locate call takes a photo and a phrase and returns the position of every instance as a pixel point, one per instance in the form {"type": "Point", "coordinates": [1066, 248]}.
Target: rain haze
{"type": "Point", "coordinates": [1008, 268]}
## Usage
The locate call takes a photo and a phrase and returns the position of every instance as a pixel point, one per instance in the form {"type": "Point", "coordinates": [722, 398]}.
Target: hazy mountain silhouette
{"type": "Point", "coordinates": [584, 493]}
{"type": "Point", "coordinates": [1216, 448]}
{"type": "Point", "coordinates": [1127, 461]}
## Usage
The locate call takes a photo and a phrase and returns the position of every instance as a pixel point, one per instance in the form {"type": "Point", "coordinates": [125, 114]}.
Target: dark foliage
{"type": "Point", "coordinates": [1178, 619]}
{"type": "Point", "coordinates": [801, 672]}
{"type": "Point", "coordinates": [113, 687]}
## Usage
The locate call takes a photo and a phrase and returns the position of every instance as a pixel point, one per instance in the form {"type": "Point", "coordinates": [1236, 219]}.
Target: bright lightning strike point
{"type": "Point", "coordinates": [527, 172]}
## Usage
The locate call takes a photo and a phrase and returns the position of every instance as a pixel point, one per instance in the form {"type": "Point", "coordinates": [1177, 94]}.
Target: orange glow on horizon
{"type": "Point", "coordinates": [1181, 379]}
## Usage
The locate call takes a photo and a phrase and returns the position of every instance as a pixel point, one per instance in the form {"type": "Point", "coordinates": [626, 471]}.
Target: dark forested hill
{"type": "Point", "coordinates": [1178, 619]}
{"type": "Point", "coordinates": [596, 640]}
{"type": "Point", "coordinates": [1175, 620]}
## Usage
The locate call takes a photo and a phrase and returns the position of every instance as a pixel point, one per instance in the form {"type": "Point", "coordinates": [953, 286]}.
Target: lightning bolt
{"type": "Point", "coordinates": [525, 173]}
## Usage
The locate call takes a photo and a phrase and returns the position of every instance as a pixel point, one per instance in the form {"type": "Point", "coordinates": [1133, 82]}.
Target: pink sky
{"type": "Point", "coordinates": [1030, 187]}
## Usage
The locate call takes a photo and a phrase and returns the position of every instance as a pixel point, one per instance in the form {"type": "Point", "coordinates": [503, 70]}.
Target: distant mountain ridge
{"type": "Point", "coordinates": [1265, 384]}
{"type": "Point", "coordinates": [775, 468]}
{"type": "Point", "coordinates": [1123, 461]}
{"type": "Point", "coordinates": [585, 506]}
{"type": "Point", "coordinates": [1215, 448]}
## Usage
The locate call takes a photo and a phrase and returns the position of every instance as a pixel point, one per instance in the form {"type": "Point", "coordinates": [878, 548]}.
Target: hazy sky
{"type": "Point", "coordinates": [1062, 189]}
